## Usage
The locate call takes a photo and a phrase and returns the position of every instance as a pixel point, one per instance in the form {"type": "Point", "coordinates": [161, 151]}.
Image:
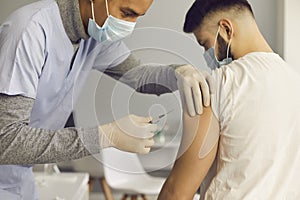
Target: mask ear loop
{"type": "Point", "coordinates": [228, 47]}
{"type": "Point", "coordinates": [216, 43]}
{"type": "Point", "coordinates": [229, 43]}
{"type": "Point", "coordinates": [107, 11]}
{"type": "Point", "coordinates": [93, 12]}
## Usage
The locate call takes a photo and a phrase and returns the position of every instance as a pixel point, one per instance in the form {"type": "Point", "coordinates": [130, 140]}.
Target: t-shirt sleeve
{"type": "Point", "coordinates": [222, 97]}
{"type": "Point", "coordinates": [22, 58]}
{"type": "Point", "coordinates": [215, 96]}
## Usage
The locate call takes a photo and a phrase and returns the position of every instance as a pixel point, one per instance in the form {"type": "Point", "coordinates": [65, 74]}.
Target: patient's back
{"type": "Point", "coordinates": [257, 102]}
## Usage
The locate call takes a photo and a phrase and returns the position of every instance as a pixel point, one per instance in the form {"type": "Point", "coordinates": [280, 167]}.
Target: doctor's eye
{"type": "Point", "coordinates": [129, 13]}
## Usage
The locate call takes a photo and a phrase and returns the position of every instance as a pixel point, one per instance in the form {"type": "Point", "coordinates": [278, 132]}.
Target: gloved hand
{"type": "Point", "coordinates": [131, 133]}
{"type": "Point", "coordinates": [193, 87]}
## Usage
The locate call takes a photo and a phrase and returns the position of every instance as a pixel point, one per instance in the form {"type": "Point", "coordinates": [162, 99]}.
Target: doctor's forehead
{"type": "Point", "coordinates": [140, 7]}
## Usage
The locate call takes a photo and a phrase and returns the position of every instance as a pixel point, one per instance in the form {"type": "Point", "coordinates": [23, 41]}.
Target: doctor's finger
{"type": "Point", "coordinates": [151, 128]}
{"type": "Point", "coordinates": [146, 146]}
{"type": "Point", "coordinates": [149, 143]}
{"type": "Point", "coordinates": [197, 97]}
{"type": "Point", "coordinates": [140, 119]}
{"type": "Point", "coordinates": [145, 150]}
{"type": "Point", "coordinates": [209, 80]}
{"type": "Point", "coordinates": [205, 92]}
{"type": "Point", "coordinates": [189, 100]}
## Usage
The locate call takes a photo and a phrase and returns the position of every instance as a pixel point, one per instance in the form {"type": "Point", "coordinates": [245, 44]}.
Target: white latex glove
{"type": "Point", "coordinates": [193, 87]}
{"type": "Point", "coordinates": [131, 133]}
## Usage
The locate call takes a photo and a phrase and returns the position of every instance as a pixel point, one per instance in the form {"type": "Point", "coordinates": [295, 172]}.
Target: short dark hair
{"type": "Point", "coordinates": [201, 8]}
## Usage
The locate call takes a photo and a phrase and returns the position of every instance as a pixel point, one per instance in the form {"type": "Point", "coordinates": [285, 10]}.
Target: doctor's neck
{"type": "Point", "coordinates": [72, 21]}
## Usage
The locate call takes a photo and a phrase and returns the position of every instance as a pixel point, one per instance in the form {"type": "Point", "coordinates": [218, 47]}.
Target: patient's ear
{"type": "Point", "coordinates": [226, 28]}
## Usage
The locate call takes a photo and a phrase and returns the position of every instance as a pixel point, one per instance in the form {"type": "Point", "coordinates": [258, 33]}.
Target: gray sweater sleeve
{"type": "Point", "coordinates": [150, 78]}
{"type": "Point", "coordinates": [23, 145]}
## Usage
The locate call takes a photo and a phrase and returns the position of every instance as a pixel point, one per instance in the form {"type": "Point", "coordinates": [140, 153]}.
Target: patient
{"type": "Point", "coordinates": [252, 129]}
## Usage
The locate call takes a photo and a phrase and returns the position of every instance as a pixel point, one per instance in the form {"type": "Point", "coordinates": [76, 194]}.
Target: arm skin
{"type": "Point", "coordinates": [189, 170]}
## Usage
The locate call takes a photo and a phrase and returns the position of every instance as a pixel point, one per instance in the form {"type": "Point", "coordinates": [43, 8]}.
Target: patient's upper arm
{"type": "Point", "coordinates": [199, 133]}
{"type": "Point", "coordinates": [196, 154]}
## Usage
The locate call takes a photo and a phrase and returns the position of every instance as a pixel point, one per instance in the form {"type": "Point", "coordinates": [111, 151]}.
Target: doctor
{"type": "Point", "coordinates": [48, 47]}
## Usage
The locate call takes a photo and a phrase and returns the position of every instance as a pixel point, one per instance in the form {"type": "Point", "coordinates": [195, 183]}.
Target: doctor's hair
{"type": "Point", "coordinates": [202, 8]}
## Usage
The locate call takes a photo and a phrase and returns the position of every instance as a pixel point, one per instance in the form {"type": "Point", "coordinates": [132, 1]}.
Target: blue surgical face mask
{"type": "Point", "coordinates": [211, 58]}
{"type": "Point", "coordinates": [113, 29]}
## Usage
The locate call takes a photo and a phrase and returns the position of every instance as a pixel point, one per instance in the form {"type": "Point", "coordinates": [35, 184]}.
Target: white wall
{"type": "Point", "coordinates": [266, 16]}
{"type": "Point", "coordinates": [291, 35]}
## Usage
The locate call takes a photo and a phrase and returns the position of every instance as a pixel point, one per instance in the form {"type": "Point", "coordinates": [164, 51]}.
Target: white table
{"type": "Point", "coordinates": [62, 186]}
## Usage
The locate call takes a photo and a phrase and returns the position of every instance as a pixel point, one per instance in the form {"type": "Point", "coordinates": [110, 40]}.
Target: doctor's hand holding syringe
{"type": "Point", "coordinates": [131, 133]}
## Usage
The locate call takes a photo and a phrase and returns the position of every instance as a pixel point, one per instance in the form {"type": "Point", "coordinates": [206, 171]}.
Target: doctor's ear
{"type": "Point", "coordinates": [227, 27]}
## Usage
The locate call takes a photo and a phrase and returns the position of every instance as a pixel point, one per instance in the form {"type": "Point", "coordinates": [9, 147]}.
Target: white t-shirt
{"type": "Point", "coordinates": [257, 103]}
